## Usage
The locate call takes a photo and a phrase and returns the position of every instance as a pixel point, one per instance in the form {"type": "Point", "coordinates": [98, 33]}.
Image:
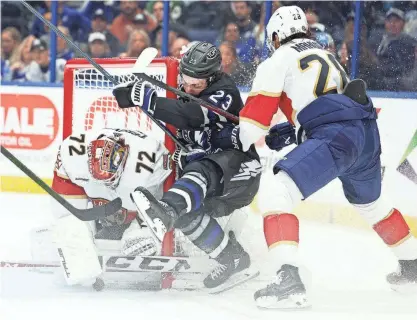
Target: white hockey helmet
{"type": "Point", "coordinates": [285, 22]}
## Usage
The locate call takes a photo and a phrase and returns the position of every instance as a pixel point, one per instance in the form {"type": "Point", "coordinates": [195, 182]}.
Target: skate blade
{"type": "Point", "coordinates": [406, 288]}
{"type": "Point", "coordinates": [293, 302]}
{"type": "Point", "coordinates": [235, 280]}
{"type": "Point", "coordinates": [142, 204]}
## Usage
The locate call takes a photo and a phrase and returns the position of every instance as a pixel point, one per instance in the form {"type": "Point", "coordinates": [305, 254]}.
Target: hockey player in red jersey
{"type": "Point", "coordinates": [335, 126]}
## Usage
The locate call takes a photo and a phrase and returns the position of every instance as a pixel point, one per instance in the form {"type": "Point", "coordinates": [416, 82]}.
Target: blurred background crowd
{"type": "Point", "coordinates": [388, 35]}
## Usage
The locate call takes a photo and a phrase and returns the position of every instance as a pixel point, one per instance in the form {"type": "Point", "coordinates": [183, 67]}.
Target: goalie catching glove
{"type": "Point", "coordinates": [135, 93]}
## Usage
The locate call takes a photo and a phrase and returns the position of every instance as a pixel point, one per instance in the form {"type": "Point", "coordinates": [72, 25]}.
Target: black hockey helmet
{"type": "Point", "coordinates": [201, 61]}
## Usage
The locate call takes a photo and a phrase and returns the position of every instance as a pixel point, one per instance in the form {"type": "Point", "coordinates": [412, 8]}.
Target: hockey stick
{"type": "Point", "coordinates": [84, 215]}
{"type": "Point", "coordinates": [99, 68]}
{"type": "Point", "coordinates": [183, 94]}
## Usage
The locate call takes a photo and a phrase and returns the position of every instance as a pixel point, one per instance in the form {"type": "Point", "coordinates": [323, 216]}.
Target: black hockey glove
{"type": "Point", "coordinates": [136, 93]}
{"type": "Point", "coordinates": [281, 135]}
{"type": "Point", "coordinates": [226, 138]}
{"type": "Point", "coordinates": [182, 158]}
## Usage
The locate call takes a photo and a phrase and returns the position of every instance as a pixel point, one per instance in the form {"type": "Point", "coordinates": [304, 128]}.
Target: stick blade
{"type": "Point", "coordinates": [99, 212]}
{"type": "Point", "coordinates": [144, 60]}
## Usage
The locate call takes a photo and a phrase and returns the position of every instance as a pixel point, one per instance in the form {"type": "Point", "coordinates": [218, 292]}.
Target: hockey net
{"type": "Point", "coordinates": [90, 105]}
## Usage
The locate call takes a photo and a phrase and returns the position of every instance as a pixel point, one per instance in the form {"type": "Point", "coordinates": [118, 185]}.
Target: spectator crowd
{"type": "Point", "coordinates": [388, 35]}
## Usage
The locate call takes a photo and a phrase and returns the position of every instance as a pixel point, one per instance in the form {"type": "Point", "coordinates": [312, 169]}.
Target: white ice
{"type": "Point", "coordinates": [348, 268]}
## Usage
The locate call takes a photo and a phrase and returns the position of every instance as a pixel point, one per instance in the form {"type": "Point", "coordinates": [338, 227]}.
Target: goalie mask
{"type": "Point", "coordinates": [106, 159]}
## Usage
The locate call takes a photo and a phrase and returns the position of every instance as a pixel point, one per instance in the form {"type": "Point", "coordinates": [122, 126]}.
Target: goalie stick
{"type": "Point", "coordinates": [84, 215]}
{"type": "Point", "coordinates": [139, 66]}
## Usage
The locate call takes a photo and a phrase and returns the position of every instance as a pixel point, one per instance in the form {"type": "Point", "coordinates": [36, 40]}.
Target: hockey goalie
{"type": "Point", "coordinates": [93, 168]}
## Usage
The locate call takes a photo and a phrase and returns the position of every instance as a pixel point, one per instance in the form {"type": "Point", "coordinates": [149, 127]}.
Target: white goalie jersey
{"type": "Point", "coordinates": [147, 165]}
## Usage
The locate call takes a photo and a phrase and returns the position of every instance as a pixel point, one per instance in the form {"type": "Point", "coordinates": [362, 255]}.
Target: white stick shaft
{"type": "Point", "coordinates": [144, 60]}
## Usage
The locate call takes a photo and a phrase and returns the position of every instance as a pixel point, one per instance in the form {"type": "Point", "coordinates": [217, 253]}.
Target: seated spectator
{"type": "Point", "coordinates": [326, 41]}
{"type": "Point", "coordinates": [396, 52]}
{"type": "Point", "coordinates": [123, 24]}
{"type": "Point", "coordinates": [140, 21]}
{"type": "Point", "coordinates": [97, 45]}
{"type": "Point", "coordinates": [241, 73]}
{"type": "Point", "coordinates": [19, 68]}
{"type": "Point", "coordinates": [205, 15]}
{"type": "Point", "coordinates": [77, 24]}
{"type": "Point", "coordinates": [89, 8]}
{"type": "Point", "coordinates": [312, 17]}
{"type": "Point", "coordinates": [138, 41]}
{"type": "Point", "coordinates": [368, 61]}
{"type": "Point", "coordinates": [158, 11]}
{"type": "Point", "coordinates": [99, 24]}
{"type": "Point", "coordinates": [177, 46]}
{"type": "Point", "coordinates": [14, 14]}
{"type": "Point", "coordinates": [10, 41]}
{"type": "Point", "coordinates": [246, 48]}
{"type": "Point", "coordinates": [248, 29]}
{"type": "Point", "coordinates": [175, 31]}
{"type": "Point", "coordinates": [38, 69]}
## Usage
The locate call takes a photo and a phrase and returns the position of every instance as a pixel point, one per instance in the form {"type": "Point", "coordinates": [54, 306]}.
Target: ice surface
{"type": "Point", "coordinates": [348, 270]}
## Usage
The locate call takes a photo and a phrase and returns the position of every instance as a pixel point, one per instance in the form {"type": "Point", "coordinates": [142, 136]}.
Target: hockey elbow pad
{"type": "Point", "coordinates": [280, 136]}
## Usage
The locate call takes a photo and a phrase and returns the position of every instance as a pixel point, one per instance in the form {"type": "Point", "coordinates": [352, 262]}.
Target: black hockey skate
{"type": "Point", "coordinates": [405, 279]}
{"type": "Point", "coordinates": [287, 292]}
{"type": "Point", "coordinates": [233, 268]}
{"type": "Point", "coordinates": [158, 215]}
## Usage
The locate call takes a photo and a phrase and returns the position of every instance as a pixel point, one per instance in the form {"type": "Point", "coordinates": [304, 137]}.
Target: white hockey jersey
{"type": "Point", "coordinates": [147, 165]}
{"type": "Point", "coordinates": [297, 73]}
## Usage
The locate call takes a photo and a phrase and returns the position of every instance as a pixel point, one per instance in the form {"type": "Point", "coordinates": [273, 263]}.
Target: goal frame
{"type": "Point", "coordinates": [171, 64]}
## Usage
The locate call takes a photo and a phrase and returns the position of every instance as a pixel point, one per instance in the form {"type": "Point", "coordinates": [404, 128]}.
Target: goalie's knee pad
{"type": "Point", "coordinates": [278, 193]}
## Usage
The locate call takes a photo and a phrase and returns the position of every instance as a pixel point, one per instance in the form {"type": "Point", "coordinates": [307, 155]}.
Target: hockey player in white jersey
{"type": "Point", "coordinates": [334, 123]}
{"type": "Point", "coordinates": [97, 167]}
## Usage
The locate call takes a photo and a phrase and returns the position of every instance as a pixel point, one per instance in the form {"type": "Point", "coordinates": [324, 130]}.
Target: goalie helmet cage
{"type": "Point", "coordinates": [89, 104]}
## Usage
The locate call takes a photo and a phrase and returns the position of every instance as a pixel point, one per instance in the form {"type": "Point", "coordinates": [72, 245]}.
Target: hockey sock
{"type": "Point", "coordinates": [187, 193]}
{"type": "Point", "coordinates": [206, 234]}
{"type": "Point", "coordinates": [282, 236]}
{"type": "Point", "coordinates": [395, 232]}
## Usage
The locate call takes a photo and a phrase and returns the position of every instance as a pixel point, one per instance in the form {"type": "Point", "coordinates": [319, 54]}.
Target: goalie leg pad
{"type": "Point", "coordinates": [76, 250]}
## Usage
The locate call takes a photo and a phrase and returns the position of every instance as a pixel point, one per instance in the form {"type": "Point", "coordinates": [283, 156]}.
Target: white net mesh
{"type": "Point", "coordinates": [93, 94]}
